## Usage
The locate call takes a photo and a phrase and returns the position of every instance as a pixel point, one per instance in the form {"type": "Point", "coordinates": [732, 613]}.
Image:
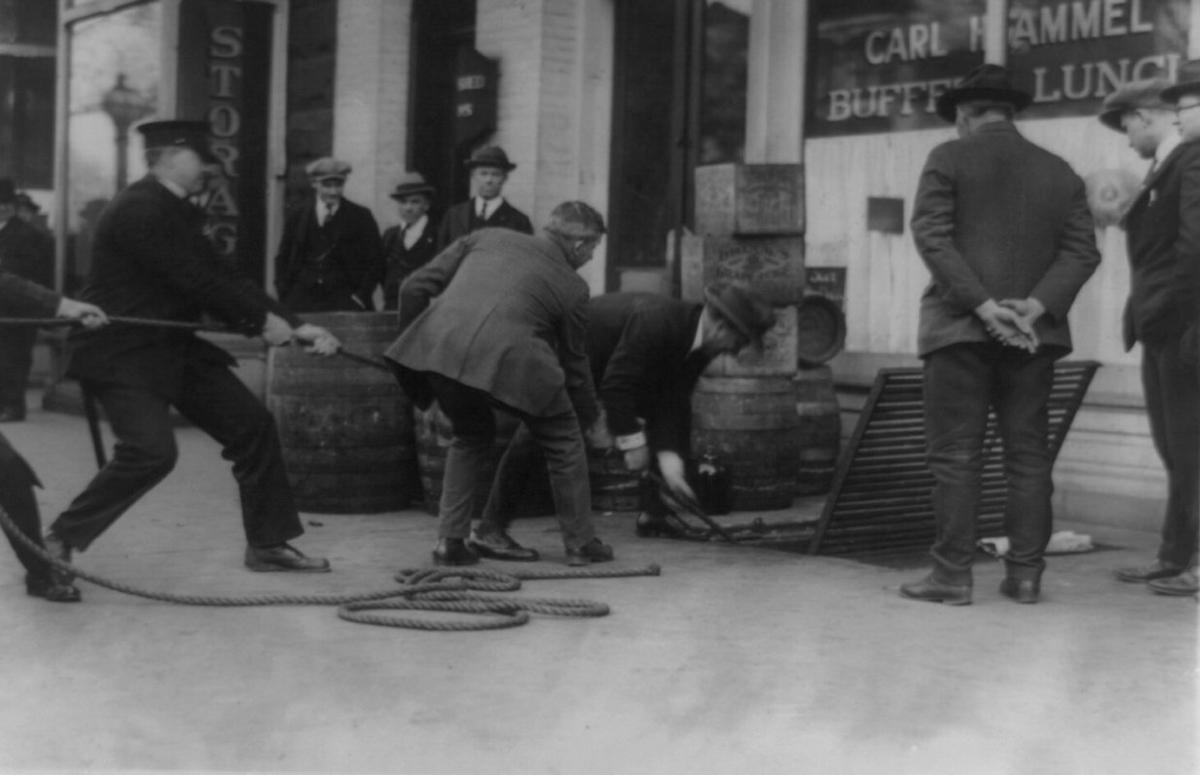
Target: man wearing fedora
{"type": "Point", "coordinates": [1004, 228]}
{"type": "Point", "coordinates": [330, 257]}
{"type": "Point", "coordinates": [646, 354]}
{"type": "Point", "coordinates": [151, 260]}
{"type": "Point", "coordinates": [26, 251]}
{"type": "Point", "coordinates": [496, 321]}
{"type": "Point", "coordinates": [411, 244]}
{"type": "Point", "coordinates": [488, 208]}
{"type": "Point", "coordinates": [1162, 224]}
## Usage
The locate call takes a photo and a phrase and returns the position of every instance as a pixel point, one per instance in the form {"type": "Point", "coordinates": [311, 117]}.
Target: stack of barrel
{"type": "Point", "coordinates": [770, 418]}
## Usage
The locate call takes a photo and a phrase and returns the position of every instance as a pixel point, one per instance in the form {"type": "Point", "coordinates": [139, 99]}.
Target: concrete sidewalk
{"type": "Point", "coordinates": [735, 659]}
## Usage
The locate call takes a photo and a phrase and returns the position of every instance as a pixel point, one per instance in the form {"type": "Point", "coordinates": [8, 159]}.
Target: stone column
{"type": "Point", "coordinates": [775, 84]}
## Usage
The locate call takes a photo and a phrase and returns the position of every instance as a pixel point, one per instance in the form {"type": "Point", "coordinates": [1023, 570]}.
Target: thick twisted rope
{"type": "Point", "coordinates": [426, 589]}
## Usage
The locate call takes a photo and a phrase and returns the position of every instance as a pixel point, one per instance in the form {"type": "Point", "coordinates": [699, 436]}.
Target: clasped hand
{"type": "Point", "coordinates": [1011, 322]}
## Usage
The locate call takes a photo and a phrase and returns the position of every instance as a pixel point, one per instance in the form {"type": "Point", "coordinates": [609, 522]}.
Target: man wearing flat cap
{"type": "Point", "coordinates": [411, 244]}
{"type": "Point", "coordinates": [1005, 230]}
{"type": "Point", "coordinates": [1162, 226]}
{"type": "Point", "coordinates": [152, 261]}
{"type": "Point", "coordinates": [487, 208]}
{"type": "Point", "coordinates": [330, 257]}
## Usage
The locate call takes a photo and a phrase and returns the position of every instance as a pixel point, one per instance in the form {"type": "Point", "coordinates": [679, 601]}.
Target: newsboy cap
{"type": "Point", "coordinates": [985, 82]}
{"type": "Point", "coordinates": [490, 156]}
{"type": "Point", "coordinates": [178, 133]}
{"type": "Point", "coordinates": [1145, 93]}
{"type": "Point", "coordinates": [327, 168]}
{"type": "Point", "coordinates": [745, 310]}
{"type": "Point", "coordinates": [1187, 81]}
{"type": "Point", "coordinates": [411, 183]}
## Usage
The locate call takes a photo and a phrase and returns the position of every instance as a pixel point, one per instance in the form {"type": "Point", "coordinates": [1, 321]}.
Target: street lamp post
{"type": "Point", "coordinates": [124, 105]}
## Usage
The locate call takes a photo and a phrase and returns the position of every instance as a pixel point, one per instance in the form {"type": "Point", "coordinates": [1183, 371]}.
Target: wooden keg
{"type": "Point", "coordinates": [820, 429]}
{"type": "Point", "coordinates": [749, 424]}
{"type": "Point", "coordinates": [433, 433]}
{"type": "Point", "coordinates": [346, 427]}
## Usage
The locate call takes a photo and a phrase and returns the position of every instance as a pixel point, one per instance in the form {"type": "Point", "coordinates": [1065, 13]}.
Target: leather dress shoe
{"type": "Point", "coordinates": [1021, 590]}
{"type": "Point", "coordinates": [499, 545]}
{"type": "Point", "coordinates": [59, 549]}
{"type": "Point", "coordinates": [594, 550]}
{"type": "Point", "coordinates": [44, 587]}
{"type": "Point", "coordinates": [283, 558]}
{"type": "Point", "coordinates": [1141, 573]}
{"type": "Point", "coordinates": [1182, 585]}
{"type": "Point", "coordinates": [453, 551]}
{"type": "Point", "coordinates": [932, 590]}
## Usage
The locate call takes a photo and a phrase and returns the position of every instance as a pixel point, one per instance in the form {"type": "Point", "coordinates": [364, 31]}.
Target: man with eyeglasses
{"type": "Point", "coordinates": [1163, 226]}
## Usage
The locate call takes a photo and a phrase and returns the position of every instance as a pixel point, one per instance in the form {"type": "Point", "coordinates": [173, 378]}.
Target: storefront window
{"type": "Point", "coordinates": [113, 84]}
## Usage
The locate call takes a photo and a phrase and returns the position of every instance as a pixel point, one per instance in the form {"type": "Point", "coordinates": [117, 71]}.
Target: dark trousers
{"type": "Point", "coordinates": [16, 498]}
{"type": "Point", "coordinates": [465, 485]}
{"type": "Point", "coordinates": [16, 358]}
{"type": "Point", "coordinates": [961, 381]}
{"type": "Point", "coordinates": [1171, 380]}
{"type": "Point", "coordinates": [215, 401]}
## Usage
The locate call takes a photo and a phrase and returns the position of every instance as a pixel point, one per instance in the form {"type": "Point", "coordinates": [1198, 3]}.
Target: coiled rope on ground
{"type": "Point", "coordinates": [447, 590]}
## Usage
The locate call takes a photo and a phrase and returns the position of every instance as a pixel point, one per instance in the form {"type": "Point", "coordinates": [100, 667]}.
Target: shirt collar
{"type": "Point", "coordinates": [414, 230]}
{"type": "Point", "coordinates": [173, 187]}
{"type": "Point", "coordinates": [490, 205]}
{"type": "Point", "coordinates": [698, 340]}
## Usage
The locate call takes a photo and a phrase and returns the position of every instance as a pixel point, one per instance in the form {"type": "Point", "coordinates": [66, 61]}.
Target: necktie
{"type": "Point", "coordinates": [483, 211]}
{"type": "Point", "coordinates": [1150, 172]}
{"type": "Point", "coordinates": [328, 217]}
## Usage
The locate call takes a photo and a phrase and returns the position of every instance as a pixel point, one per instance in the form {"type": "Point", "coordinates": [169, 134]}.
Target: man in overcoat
{"type": "Point", "coordinates": [1004, 228]}
{"type": "Point", "coordinates": [1163, 239]}
{"type": "Point", "coordinates": [330, 257]}
{"type": "Point", "coordinates": [487, 208]}
{"type": "Point", "coordinates": [646, 353]}
{"type": "Point", "coordinates": [22, 298]}
{"type": "Point", "coordinates": [497, 320]}
{"type": "Point", "coordinates": [152, 260]}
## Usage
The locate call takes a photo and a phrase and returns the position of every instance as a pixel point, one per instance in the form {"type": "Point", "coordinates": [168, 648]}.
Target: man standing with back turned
{"type": "Point", "coordinates": [1005, 230]}
{"type": "Point", "coordinates": [1163, 232]}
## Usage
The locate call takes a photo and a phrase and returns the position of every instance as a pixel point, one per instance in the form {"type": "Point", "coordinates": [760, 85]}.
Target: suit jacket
{"type": "Point", "coordinates": [458, 221]}
{"type": "Point", "coordinates": [400, 261]}
{"type": "Point", "coordinates": [504, 313]}
{"type": "Point", "coordinates": [998, 217]}
{"type": "Point", "coordinates": [21, 298]}
{"type": "Point", "coordinates": [1163, 237]}
{"type": "Point", "coordinates": [150, 259]}
{"type": "Point", "coordinates": [351, 257]}
{"type": "Point", "coordinates": [27, 251]}
{"type": "Point", "coordinates": [639, 347]}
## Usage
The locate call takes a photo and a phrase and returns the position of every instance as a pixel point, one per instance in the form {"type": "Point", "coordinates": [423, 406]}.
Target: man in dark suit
{"type": "Point", "coordinates": [1005, 230]}
{"type": "Point", "coordinates": [497, 320]}
{"type": "Point", "coordinates": [330, 257]}
{"type": "Point", "coordinates": [1163, 226]}
{"type": "Point", "coordinates": [21, 298]}
{"type": "Point", "coordinates": [646, 354]}
{"type": "Point", "coordinates": [410, 245]}
{"type": "Point", "coordinates": [28, 252]}
{"type": "Point", "coordinates": [152, 260]}
{"type": "Point", "coordinates": [489, 168]}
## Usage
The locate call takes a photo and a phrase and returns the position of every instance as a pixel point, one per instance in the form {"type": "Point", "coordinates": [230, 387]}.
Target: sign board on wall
{"type": "Point", "coordinates": [474, 96]}
{"type": "Point", "coordinates": [879, 65]}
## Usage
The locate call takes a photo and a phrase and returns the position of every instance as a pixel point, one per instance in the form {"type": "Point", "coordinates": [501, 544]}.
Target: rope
{"type": "Point", "coordinates": [423, 589]}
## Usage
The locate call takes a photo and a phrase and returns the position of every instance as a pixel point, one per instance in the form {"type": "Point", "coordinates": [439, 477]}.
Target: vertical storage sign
{"type": "Point", "coordinates": [879, 65]}
{"type": "Point", "coordinates": [224, 77]}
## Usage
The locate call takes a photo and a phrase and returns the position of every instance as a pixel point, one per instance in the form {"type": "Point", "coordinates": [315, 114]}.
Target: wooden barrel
{"type": "Point", "coordinates": [750, 425]}
{"type": "Point", "coordinates": [613, 487]}
{"type": "Point", "coordinates": [433, 433]}
{"type": "Point", "coordinates": [820, 429]}
{"type": "Point", "coordinates": [346, 427]}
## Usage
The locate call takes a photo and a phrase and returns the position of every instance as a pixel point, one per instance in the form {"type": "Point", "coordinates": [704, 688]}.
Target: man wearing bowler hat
{"type": "Point", "coordinates": [487, 208]}
{"type": "Point", "coordinates": [330, 258]}
{"type": "Point", "coordinates": [646, 354]}
{"type": "Point", "coordinates": [152, 261]}
{"type": "Point", "coordinates": [1004, 227]}
{"type": "Point", "coordinates": [411, 244]}
{"type": "Point", "coordinates": [1162, 223]}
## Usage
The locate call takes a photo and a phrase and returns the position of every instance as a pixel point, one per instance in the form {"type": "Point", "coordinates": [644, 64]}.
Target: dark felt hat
{"type": "Point", "coordinates": [1187, 81]}
{"type": "Point", "coordinates": [985, 82]}
{"type": "Point", "coordinates": [411, 183]}
{"type": "Point", "coordinates": [184, 134]}
{"type": "Point", "coordinates": [747, 311]}
{"type": "Point", "coordinates": [8, 192]}
{"type": "Point", "coordinates": [490, 156]}
{"type": "Point", "coordinates": [1145, 93]}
